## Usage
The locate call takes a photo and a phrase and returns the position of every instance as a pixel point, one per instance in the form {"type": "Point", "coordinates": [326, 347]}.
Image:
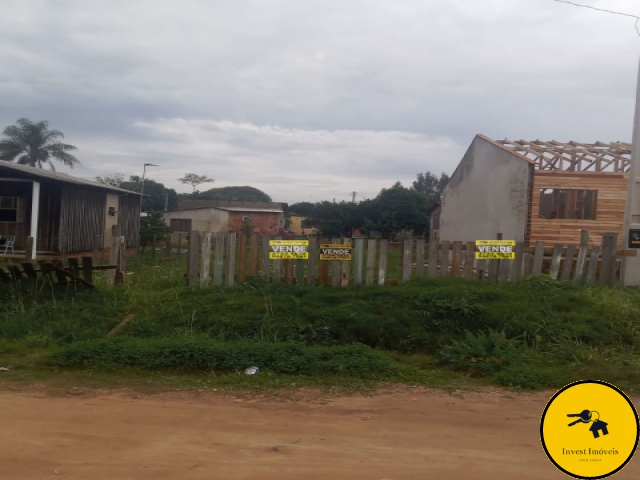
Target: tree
{"type": "Point", "coordinates": [155, 194]}
{"type": "Point", "coordinates": [33, 144]}
{"type": "Point", "coordinates": [153, 226]}
{"type": "Point", "coordinates": [305, 209]}
{"type": "Point", "coordinates": [398, 208]}
{"type": "Point", "coordinates": [114, 180]}
{"type": "Point", "coordinates": [230, 194]}
{"type": "Point", "coordinates": [431, 185]}
{"type": "Point", "coordinates": [194, 180]}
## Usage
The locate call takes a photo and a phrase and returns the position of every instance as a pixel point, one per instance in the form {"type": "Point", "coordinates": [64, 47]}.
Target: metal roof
{"type": "Point", "coordinates": [613, 157]}
{"type": "Point", "coordinates": [39, 173]}
{"type": "Point", "coordinates": [243, 209]}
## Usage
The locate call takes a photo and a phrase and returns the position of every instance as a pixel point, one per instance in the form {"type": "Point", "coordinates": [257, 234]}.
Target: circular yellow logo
{"type": "Point", "coordinates": [589, 429]}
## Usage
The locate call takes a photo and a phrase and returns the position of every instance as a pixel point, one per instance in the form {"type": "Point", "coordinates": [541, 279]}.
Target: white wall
{"type": "Point", "coordinates": [487, 194]}
{"type": "Point", "coordinates": [202, 219]}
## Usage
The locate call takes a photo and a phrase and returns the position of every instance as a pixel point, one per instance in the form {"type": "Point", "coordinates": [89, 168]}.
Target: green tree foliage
{"type": "Point", "coordinates": [306, 209]}
{"type": "Point", "coordinates": [153, 225]}
{"type": "Point", "coordinates": [33, 144]}
{"type": "Point", "coordinates": [194, 180]}
{"type": "Point", "coordinates": [114, 180]}
{"type": "Point", "coordinates": [396, 209]}
{"type": "Point", "coordinates": [231, 194]}
{"type": "Point", "coordinates": [431, 185]}
{"type": "Point", "coordinates": [156, 191]}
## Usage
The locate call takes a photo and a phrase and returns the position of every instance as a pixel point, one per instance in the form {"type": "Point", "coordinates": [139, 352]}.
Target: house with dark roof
{"type": "Point", "coordinates": [63, 213]}
{"type": "Point", "coordinates": [535, 190]}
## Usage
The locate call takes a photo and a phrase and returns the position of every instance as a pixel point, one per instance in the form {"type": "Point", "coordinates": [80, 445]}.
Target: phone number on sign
{"type": "Point", "coordinates": [495, 256]}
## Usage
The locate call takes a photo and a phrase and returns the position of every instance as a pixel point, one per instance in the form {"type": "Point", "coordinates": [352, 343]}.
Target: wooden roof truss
{"type": "Point", "coordinates": [611, 157]}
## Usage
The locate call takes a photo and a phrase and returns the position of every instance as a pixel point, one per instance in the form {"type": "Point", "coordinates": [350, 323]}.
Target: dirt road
{"type": "Point", "coordinates": [396, 435]}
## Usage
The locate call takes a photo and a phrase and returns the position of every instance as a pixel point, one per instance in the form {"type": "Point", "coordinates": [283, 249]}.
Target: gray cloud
{"type": "Point", "coordinates": [383, 88]}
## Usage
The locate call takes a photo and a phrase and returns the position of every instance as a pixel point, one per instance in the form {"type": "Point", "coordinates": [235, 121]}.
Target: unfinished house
{"type": "Point", "coordinates": [535, 190]}
{"type": "Point", "coordinates": [63, 214]}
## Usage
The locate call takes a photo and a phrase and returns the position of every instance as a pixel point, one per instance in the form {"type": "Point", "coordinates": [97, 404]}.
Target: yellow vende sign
{"type": "Point", "coordinates": [589, 429]}
{"type": "Point", "coordinates": [495, 249]}
{"type": "Point", "coordinates": [289, 249]}
{"type": "Point", "coordinates": [330, 251]}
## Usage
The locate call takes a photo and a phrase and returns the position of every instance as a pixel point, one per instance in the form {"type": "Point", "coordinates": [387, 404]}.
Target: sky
{"type": "Point", "coordinates": [312, 100]}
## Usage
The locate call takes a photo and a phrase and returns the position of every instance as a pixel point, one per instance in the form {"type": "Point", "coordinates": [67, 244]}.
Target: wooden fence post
{"type": "Point", "coordinates": [371, 261]}
{"type": "Point", "coordinates": [494, 265]}
{"type": "Point", "coordinates": [218, 258]}
{"type": "Point", "coordinates": [556, 256]}
{"type": "Point", "coordinates": [231, 258]}
{"type": "Point", "coordinates": [538, 258]}
{"type": "Point", "coordinates": [192, 265]}
{"type": "Point", "coordinates": [592, 271]}
{"type": "Point", "coordinates": [179, 244]}
{"type": "Point", "coordinates": [504, 272]}
{"type": "Point", "coordinates": [300, 264]}
{"type": "Point", "coordinates": [382, 264]}
{"type": "Point", "coordinates": [242, 258]}
{"type": "Point", "coordinates": [266, 264]}
{"type": "Point", "coordinates": [582, 257]}
{"type": "Point", "coordinates": [568, 263]}
{"type": "Point", "coordinates": [277, 267]}
{"type": "Point", "coordinates": [346, 267]}
{"type": "Point", "coordinates": [608, 267]}
{"type": "Point", "coordinates": [122, 258]}
{"type": "Point", "coordinates": [407, 260]}
{"type": "Point", "coordinates": [456, 255]}
{"type": "Point", "coordinates": [469, 257]}
{"type": "Point", "coordinates": [205, 258]}
{"type": "Point", "coordinates": [253, 259]}
{"type": "Point", "coordinates": [527, 267]}
{"type": "Point", "coordinates": [313, 260]}
{"type": "Point", "coordinates": [358, 260]}
{"type": "Point", "coordinates": [516, 271]}
{"type": "Point", "coordinates": [432, 269]}
{"type": "Point", "coordinates": [444, 259]}
{"type": "Point", "coordinates": [420, 258]}
{"type": "Point", "coordinates": [335, 266]}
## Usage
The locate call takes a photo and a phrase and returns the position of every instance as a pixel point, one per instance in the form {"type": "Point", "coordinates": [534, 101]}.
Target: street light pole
{"type": "Point", "coordinates": [630, 274]}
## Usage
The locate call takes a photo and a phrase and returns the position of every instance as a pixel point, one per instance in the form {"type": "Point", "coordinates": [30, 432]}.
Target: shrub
{"type": "Point", "coordinates": [203, 355]}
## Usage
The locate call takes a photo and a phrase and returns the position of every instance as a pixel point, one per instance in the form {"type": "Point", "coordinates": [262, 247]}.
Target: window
{"type": "Point", "coordinates": [246, 219]}
{"type": "Point", "coordinates": [9, 209]}
{"type": "Point", "coordinates": [572, 204]}
{"type": "Point", "coordinates": [181, 224]}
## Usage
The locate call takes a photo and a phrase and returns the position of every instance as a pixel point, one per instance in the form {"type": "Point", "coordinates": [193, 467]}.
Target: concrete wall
{"type": "Point", "coordinates": [487, 194]}
{"type": "Point", "coordinates": [202, 219]}
{"type": "Point", "coordinates": [114, 202]}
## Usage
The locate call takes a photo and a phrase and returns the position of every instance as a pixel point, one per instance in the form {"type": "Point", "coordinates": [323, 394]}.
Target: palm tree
{"type": "Point", "coordinates": [34, 144]}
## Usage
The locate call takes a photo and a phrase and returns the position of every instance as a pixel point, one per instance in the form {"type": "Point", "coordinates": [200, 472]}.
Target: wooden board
{"type": "Point", "coordinates": [358, 260]}
{"type": "Point", "coordinates": [469, 259]}
{"type": "Point", "coordinates": [432, 267]}
{"type": "Point", "coordinates": [313, 261]}
{"type": "Point", "coordinates": [231, 259]}
{"type": "Point", "coordinates": [567, 268]}
{"type": "Point", "coordinates": [420, 244]}
{"type": "Point", "coordinates": [556, 257]}
{"type": "Point", "coordinates": [407, 260]}
{"type": "Point", "coordinates": [456, 256]}
{"type": "Point", "coordinates": [218, 258]}
{"type": "Point", "coordinates": [371, 261]}
{"type": "Point", "coordinates": [382, 264]}
{"type": "Point", "coordinates": [444, 259]}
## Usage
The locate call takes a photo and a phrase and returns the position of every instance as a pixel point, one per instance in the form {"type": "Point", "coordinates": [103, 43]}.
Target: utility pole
{"type": "Point", "coordinates": [353, 197]}
{"type": "Point", "coordinates": [630, 274]}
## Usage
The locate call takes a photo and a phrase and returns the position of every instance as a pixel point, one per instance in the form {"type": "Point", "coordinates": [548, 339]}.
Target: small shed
{"type": "Point", "coordinates": [61, 212]}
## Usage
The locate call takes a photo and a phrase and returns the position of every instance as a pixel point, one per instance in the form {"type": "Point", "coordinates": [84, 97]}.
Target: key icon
{"type": "Point", "coordinates": [584, 417]}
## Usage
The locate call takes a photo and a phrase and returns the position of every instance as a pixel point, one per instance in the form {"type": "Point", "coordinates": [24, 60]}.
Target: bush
{"type": "Point", "coordinates": [528, 377]}
{"type": "Point", "coordinates": [202, 355]}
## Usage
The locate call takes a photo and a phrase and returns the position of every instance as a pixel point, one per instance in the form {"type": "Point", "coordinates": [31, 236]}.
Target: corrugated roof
{"type": "Point", "coordinates": [59, 177]}
{"type": "Point", "coordinates": [243, 209]}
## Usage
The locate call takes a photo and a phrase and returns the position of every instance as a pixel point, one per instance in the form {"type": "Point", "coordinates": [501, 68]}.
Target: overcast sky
{"type": "Point", "coordinates": [310, 100]}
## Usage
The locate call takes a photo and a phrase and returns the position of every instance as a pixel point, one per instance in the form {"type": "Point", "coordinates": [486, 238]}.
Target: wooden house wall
{"type": "Point", "coordinates": [82, 218]}
{"type": "Point", "coordinates": [21, 228]}
{"type": "Point", "coordinates": [129, 219]}
{"type": "Point", "coordinates": [49, 218]}
{"type": "Point", "coordinates": [612, 195]}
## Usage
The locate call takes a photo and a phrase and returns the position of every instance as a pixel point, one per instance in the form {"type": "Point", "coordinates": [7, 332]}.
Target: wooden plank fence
{"type": "Point", "coordinates": [238, 257]}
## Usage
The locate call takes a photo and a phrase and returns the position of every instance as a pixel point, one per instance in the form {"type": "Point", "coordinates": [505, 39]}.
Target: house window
{"type": "Point", "coordinates": [570, 204]}
{"type": "Point", "coordinates": [9, 209]}
{"type": "Point", "coordinates": [246, 219]}
{"type": "Point", "coordinates": [181, 224]}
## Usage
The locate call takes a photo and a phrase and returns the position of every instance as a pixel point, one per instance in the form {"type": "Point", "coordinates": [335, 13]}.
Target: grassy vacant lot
{"type": "Point", "coordinates": [535, 334]}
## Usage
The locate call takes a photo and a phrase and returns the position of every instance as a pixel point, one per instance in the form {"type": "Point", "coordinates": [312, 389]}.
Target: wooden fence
{"type": "Point", "coordinates": [227, 258]}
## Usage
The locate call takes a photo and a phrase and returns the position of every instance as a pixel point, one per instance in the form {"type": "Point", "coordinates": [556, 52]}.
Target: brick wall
{"type": "Point", "coordinates": [261, 222]}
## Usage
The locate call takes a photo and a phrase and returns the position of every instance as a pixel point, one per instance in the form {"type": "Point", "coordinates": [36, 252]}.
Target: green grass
{"type": "Point", "coordinates": [534, 334]}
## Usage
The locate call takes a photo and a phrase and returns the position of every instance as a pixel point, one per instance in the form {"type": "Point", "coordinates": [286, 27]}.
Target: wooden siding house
{"type": "Point", "coordinates": [61, 212]}
{"type": "Point", "coordinates": [536, 190]}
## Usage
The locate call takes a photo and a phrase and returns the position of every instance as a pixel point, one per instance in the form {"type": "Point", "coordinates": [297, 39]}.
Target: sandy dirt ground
{"type": "Point", "coordinates": [396, 434]}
